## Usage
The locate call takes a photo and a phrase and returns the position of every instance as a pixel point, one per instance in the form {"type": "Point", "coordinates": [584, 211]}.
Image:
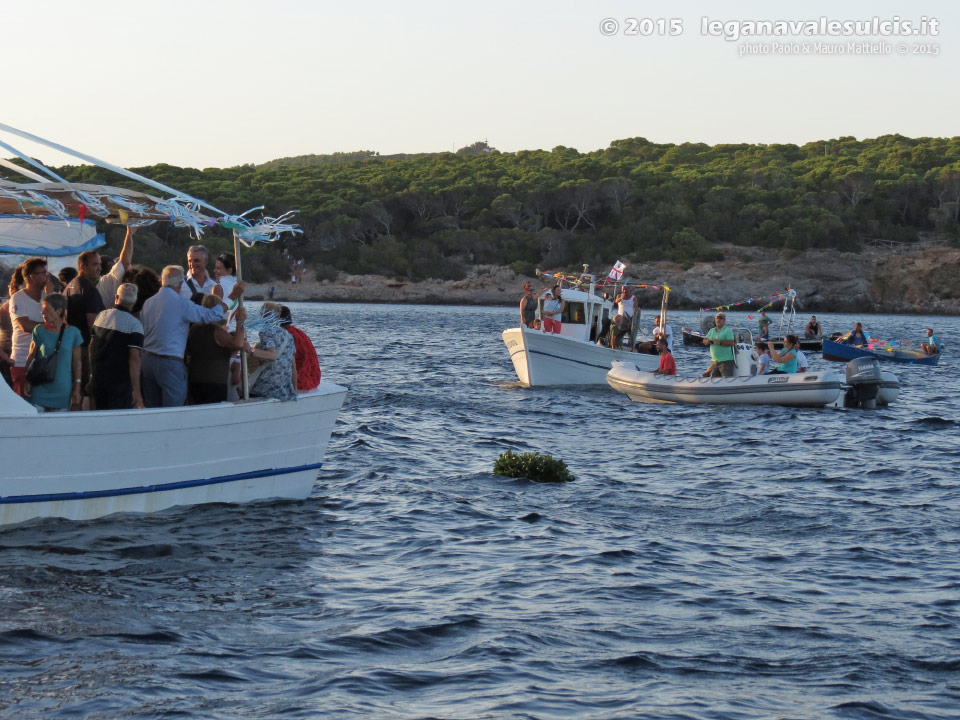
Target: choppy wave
{"type": "Point", "coordinates": [725, 562]}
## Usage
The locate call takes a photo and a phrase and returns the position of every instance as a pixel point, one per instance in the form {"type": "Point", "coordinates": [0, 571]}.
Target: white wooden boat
{"type": "Point", "coordinates": [573, 356]}
{"type": "Point", "coordinates": [85, 465]}
{"type": "Point", "coordinates": [797, 390]}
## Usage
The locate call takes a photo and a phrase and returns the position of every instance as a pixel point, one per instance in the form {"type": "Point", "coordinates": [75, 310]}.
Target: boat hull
{"type": "Point", "coordinates": [838, 352]}
{"type": "Point", "coordinates": [797, 390]}
{"type": "Point", "coordinates": [542, 359]}
{"type": "Point", "coordinates": [82, 466]}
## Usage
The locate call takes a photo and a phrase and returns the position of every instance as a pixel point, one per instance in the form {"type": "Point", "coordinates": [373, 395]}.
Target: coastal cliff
{"type": "Point", "coordinates": [921, 282]}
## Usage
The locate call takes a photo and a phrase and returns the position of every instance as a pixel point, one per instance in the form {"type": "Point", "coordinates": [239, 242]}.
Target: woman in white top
{"type": "Point", "coordinates": [226, 273]}
{"type": "Point", "coordinates": [553, 311]}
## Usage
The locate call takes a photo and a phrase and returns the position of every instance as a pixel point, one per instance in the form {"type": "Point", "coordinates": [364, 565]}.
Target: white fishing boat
{"type": "Point", "coordinates": [573, 357]}
{"type": "Point", "coordinates": [863, 386]}
{"type": "Point", "coordinates": [86, 465]}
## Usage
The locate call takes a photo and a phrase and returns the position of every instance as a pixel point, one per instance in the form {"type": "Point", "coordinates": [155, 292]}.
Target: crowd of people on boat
{"type": "Point", "coordinates": [111, 335]}
{"type": "Point", "coordinates": [547, 317]}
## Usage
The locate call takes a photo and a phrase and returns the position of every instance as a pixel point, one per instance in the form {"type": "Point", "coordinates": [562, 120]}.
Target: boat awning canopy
{"type": "Point", "coordinates": [53, 216]}
{"type": "Point", "coordinates": [50, 236]}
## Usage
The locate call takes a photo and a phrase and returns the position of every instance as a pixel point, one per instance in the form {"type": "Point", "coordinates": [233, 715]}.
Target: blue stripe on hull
{"type": "Point", "coordinates": [570, 360]}
{"type": "Point", "coordinates": [156, 488]}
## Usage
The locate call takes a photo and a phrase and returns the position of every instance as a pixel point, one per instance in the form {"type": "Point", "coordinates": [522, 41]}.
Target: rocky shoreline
{"type": "Point", "coordinates": [923, 282]}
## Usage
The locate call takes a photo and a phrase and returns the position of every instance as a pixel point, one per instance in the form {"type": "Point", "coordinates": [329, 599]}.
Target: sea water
{"type": "Point", "coordinates": [707, 562]}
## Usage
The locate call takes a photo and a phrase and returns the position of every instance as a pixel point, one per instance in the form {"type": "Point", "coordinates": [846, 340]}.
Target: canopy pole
{"type": "Point", "coordinates": [243, 355]}
{"type": "Point", "coordinates": [663, 310]}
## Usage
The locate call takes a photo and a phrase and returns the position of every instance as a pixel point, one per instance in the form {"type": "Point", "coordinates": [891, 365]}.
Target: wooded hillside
{"type": "Point", "coordinates": [431, 215]}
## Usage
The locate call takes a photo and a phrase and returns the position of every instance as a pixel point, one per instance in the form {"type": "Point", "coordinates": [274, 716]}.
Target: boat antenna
{"type": "Point", "coordinates": [789, 296]}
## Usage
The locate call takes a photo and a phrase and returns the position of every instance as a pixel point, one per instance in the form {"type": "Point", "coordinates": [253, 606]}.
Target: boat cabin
{"type": "Point", "coordinates": [585, 314]}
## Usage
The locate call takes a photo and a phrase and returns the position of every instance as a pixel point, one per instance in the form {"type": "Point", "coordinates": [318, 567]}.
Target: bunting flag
{"type": "Point", "coordinates": [770, 300]}
{"type": "Point", "coordinates": [232, 310]}
{"type": "Point", "coordinates": [616, 272]}
{"type": "Point", "coordinates": [579, 282]}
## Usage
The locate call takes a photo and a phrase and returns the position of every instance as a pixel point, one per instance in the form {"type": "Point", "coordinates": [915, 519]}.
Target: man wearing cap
{"type": "Point", "coordinates": [720, 340]}
{"type": "Point", "coordinates": [305, 355]}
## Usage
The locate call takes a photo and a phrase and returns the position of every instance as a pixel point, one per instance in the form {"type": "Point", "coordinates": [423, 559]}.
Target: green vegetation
{"type": "Point", "coordinates": [533, 466]}
{"type": "Point", "coordinates": [418, 216]}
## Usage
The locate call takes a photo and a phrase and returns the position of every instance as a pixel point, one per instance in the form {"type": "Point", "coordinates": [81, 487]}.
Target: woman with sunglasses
{"type": "Point", "coordinates": [787, 359]}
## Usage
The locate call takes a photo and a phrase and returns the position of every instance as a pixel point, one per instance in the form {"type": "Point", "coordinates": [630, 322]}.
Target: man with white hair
{"type": "Point", "coordinates": [115, 345]}
{"type": "Point", "coordinates": [197, 279]}
{"type": "Point", "coordinates": [166, 321]}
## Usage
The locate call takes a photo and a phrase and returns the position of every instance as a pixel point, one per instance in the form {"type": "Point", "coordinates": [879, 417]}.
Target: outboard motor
{"type": "Point", "coordinates": [863, 378]}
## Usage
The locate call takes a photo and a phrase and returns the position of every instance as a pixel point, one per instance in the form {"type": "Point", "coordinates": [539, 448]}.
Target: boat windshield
{"type": "Point", "coordinates": [574, 313]}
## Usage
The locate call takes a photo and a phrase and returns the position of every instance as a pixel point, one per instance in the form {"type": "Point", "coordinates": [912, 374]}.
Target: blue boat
{"type": "Point", "coordinates": [839, 352]}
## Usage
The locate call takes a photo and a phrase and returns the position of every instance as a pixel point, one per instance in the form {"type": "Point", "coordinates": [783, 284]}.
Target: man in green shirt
{"type": "Point", "coordinates": [720, 340]}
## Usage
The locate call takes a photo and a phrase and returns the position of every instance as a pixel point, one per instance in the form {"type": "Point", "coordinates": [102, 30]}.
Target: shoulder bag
{"type": "Point", "coordinates": [43, 370]}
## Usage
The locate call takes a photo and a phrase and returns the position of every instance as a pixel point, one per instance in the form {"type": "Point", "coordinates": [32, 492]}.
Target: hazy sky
{"type": "Point", "coordinates": [219, 83]}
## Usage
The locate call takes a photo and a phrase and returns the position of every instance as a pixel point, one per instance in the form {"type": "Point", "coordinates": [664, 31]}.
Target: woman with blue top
{"type": "Point", "coordinates": [64, 393]}
{"type": "Point", "coordinates": [856, 336]}
{"type": "Point", "coordinates": [788, 358]}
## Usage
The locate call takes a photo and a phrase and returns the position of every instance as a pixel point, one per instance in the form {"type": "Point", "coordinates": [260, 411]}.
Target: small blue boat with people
{"type": "Point", "coordinates": [856, 344]}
